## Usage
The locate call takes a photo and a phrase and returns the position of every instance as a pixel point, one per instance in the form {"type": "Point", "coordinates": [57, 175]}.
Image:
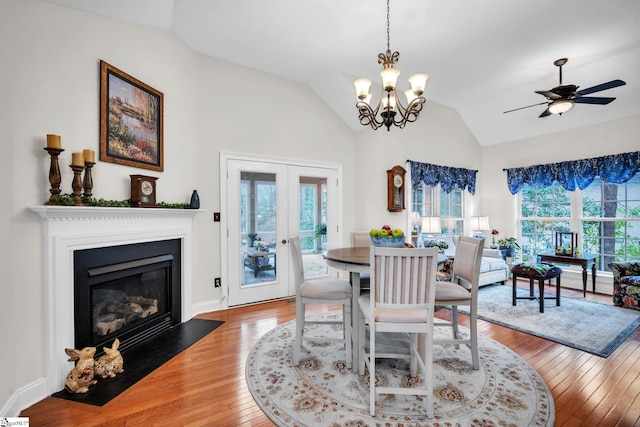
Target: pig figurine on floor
{"type": "Point", "coordinates": [110, 363]}
{"type": "Point", "coordinates": [81, 376]}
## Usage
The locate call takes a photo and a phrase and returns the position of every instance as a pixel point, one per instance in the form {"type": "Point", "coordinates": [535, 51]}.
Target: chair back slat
{"type": "Point", "coordinates": [403, 277]}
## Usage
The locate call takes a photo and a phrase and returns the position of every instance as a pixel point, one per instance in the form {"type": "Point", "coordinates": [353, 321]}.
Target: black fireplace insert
{"type": "Point", "coordinates": [130, 292]}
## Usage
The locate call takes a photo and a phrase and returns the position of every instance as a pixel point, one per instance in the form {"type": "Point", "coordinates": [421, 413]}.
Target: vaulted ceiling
{"type": "Point", "coordinates": [483, 57]}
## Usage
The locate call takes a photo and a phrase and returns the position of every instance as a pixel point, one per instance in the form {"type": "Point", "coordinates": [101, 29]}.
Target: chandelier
{"type": "Point", "coordinates": [392, 110]}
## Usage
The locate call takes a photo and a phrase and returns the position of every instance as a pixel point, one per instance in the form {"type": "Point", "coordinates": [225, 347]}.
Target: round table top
{"type": "Point", "coordinates": [358, 255]}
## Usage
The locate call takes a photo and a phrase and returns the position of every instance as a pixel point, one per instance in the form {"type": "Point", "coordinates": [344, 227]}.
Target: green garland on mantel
{"type": "Point", "coordinates": [67, 200]}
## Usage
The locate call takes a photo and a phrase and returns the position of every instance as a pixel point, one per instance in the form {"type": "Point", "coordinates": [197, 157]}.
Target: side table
{"type": "Point", "coordinates": [529, 271]}
{"type": "Point", "coordinates": [258, 261]}
{"type": "Point", "coordinates": [584, 261]}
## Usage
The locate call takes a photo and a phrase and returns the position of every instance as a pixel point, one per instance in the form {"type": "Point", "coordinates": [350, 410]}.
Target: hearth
{"type": "Point", "coordinates": [130, 292]}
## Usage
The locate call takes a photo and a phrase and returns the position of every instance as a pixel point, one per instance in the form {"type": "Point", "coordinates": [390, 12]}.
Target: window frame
{"type": "Point", "coordinates": [577, 221]}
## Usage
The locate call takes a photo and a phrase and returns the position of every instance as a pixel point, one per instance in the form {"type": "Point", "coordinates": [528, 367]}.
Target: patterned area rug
{"type": "Point", "coordinates": [589, 326]}
{"type": "Point", "coordinates": [321, 391]}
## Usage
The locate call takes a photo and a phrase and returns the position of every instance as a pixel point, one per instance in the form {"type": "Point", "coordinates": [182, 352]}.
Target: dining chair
{"type": "Point", "coordinates": [362, 239]}
{"type": "Point", "coordinates": [319, 291]}
{"type": "Point", "coordinates": [401, 301]}
{"type": "Point", "coordinates": [462, 290]}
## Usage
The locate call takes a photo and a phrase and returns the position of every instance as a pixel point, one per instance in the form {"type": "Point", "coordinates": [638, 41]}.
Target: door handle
{"type": "Point", "coordinates": [284, 241]}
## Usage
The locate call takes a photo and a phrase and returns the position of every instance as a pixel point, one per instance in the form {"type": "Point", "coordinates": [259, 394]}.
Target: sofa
{"type": "Point", "coordinates": [493, 269]}
{"type": "Point", "coordinates": [626, 284]}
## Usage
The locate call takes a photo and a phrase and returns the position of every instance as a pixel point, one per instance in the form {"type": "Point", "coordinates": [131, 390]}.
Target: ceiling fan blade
{"type": "Point", "coordinates": [522, 108]}
{"type": "Point", "coordinates": [545, 113]}
{"type": "Point", "coordinates": [603, 86]}
{"type": "Point", "coordinates": [549, 95]}
{"type": "Point", "coordinates": [593, 100]}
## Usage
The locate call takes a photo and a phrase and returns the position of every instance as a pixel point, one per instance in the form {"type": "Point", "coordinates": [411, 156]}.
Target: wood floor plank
{"type": "Point", "coordinates": [205, 384]}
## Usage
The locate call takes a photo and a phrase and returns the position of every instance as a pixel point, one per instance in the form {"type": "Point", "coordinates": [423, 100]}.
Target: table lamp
{"type": "Point", "coordinates": [478, 224]}
{"type": "Point", "coordinates": [430, 226]}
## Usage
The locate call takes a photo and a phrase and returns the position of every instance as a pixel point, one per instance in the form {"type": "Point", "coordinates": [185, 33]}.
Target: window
{"type": "Point", "coordinates": [607, 215]}
{"type": "Point", "coordinates": [432, 201]}
{"type": "Point", "coordinates": [611, 220]}
{"type": "Point", "coordinates": [543, 213]}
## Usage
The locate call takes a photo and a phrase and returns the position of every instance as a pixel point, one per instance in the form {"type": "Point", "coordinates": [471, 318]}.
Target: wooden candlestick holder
{"type": "Point", "coordinates": [54, 175]}
{"type": "Point", "coordinates": [77, 185]}
{"type": "Point", "coordinates": [87, 183]}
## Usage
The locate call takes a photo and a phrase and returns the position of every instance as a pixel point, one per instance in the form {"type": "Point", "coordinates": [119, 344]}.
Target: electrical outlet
{"type": "Point", "coordinates": [216, 282]}
{"type": "Point", "coordinates": [216, 217]}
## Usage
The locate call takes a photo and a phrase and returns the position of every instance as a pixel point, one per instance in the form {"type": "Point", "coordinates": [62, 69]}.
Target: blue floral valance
{"type": "Point", "coordinates": [448, 177]}
{"type": "Point", "coordinates": [615, 169]}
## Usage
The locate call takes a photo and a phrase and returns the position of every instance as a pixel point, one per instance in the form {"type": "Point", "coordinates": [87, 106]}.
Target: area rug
{"type": "Point", "coordinates": [589, 326]}
{"type": "Point", "coordinates": [321, 391]}
{"type": "Point", "coordinates": [144, 358]}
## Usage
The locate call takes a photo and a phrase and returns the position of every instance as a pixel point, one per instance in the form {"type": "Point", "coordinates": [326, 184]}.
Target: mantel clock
{"type": "Point", "coordinates": [143, 191]}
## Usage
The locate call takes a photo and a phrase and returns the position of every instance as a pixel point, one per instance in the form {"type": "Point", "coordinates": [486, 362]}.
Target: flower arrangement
{"type": "Point", "coordinates": [259, 245]}
{"type": "Point", "coordinates": [494, 233]}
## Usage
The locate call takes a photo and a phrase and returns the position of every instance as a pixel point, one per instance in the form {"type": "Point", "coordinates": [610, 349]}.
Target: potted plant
{"type": "Point", "coordinates": [321, 230]}
{"type": "Point", "coordinates": [510, 244]}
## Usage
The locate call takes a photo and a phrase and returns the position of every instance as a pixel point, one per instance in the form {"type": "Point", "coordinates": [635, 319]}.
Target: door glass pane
{"type": "Point", "coordinates": [258, 216]}
{"type": "Point", "coordinates": [313, 225]}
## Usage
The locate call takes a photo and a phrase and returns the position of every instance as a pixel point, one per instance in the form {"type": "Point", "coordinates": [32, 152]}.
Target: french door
{"type": "Point", "coordinates": [265, 202]}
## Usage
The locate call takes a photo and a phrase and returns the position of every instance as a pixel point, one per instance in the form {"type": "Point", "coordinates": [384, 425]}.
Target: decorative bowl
{"type": "Point", "coordinates": [389, 242]}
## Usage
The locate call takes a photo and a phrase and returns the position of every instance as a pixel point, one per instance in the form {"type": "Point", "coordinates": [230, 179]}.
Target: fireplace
{"type": "Point", "coordinates": [130, 292]}
{"type": "Point", "coordinates": [68, 230]}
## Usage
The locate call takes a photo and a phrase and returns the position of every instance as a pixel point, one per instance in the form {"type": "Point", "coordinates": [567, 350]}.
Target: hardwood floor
{"type": "Point", "coordinates": [205, 385]}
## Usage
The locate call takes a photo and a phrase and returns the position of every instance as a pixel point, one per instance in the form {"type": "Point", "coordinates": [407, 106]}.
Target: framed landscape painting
{"type": "Point", "coordinates": [131, 120]}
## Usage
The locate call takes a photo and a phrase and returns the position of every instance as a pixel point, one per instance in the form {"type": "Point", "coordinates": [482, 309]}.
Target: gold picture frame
{"type": "Point", "coordinates": [131, 120]}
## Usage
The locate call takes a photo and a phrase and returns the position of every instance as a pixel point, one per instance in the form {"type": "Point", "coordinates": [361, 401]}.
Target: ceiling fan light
{"type": "Point", "coordinates": [418, 82]}
{"type": "Point", "coordinates": [362, 88]}
{"type": "Point", "coordinates": [389, 78]}
{"type": "Point", "coordinates": [560, 106]}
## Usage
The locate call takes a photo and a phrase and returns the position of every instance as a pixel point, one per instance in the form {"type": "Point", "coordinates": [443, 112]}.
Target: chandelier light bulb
{"type": "Point", "coordinates": [418, 82]}
{"type": "Point", "coordinates": [389, 101]}
{"type": "Point", "coordinates": [362, 88]}
{"type": "Point", "coordinates": [410, 94]}
{"type": "Point", "coordinates": [389, 78]}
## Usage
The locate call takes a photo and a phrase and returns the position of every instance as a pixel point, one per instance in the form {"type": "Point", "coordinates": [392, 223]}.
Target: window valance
{"type": "Point", "coordinates": [448, 177]}
{"type": "Point", "coordinates": [615, 169]}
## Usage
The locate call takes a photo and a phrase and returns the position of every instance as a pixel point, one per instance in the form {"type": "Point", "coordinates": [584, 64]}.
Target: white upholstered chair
{"type": "Point", "coordinates": [319, 291]}
{"type": "Point", "coordinates": [360, 239]}
{"type": "Point", "coordinates": [401, 301]}
{"type": "Point", "coordinates": [463, 290]}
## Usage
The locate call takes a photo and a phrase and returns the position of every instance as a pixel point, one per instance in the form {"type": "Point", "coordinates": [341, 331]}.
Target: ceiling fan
{"type": "Point", "coordinates": [561, 98]}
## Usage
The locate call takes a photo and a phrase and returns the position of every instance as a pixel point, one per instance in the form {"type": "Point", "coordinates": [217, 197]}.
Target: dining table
{"type": "Point", "coordinates": [356, 261]}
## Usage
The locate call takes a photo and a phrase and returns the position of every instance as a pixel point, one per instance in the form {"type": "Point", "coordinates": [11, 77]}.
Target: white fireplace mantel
{"type": "Point", "coordinates": [70, 228]}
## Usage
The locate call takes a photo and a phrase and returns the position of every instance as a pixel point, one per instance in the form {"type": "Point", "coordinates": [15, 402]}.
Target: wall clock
{"type": "Point", "coordinates": [143, 191]}
{"type": "Point", "coordinates": [395, 188]}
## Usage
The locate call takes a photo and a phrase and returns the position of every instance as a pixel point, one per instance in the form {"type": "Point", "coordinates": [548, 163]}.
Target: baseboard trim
{"type": "Point", "coordinates": [25, 397]}
{"type": "Point", "coordinates": [206, 307]}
